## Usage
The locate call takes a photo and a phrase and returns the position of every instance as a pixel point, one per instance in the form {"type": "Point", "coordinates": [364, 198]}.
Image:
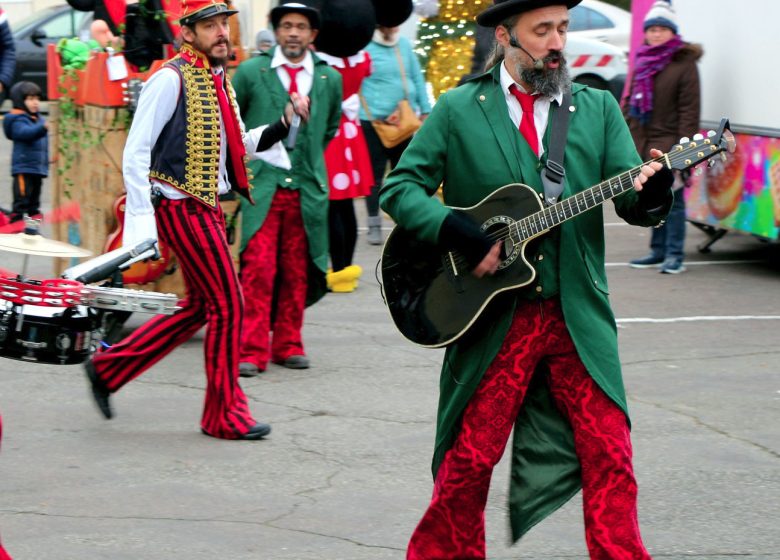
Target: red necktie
{"type": "Point", "coordinates": [293, 73]}
{"type": "Point", "coordinates": [527, 124]}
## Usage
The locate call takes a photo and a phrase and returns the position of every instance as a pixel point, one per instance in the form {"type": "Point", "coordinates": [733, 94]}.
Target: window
{"type": "Point", "coordinates": [63, 25]}
{"type": "Point", "coordinates": [584, 19]}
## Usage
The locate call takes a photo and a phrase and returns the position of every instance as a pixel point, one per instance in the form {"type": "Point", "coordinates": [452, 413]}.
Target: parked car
{"type": "Point", "coordinates": [34, 33]}
{"type": "Point", "coordinates": [596, 64]}
{"type": "Point", "coordinates": [604, 22]}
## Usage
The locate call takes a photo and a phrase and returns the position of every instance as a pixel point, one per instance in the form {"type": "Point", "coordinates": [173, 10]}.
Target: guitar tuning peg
{"type": "Point", "coordinates": [684, 140]}
{"type": "Point", "coordinates": [698, 171]}
{"type": "Point", "coordinates": [723, 157]}
{"type": "Point", "coordinates": [711, 133]}
{"type": "Point", "coordinates": [698, 137]}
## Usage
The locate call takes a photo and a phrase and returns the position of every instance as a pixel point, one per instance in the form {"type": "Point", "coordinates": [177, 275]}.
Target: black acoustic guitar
{"type": "Point", "coordinates": [431, 294]}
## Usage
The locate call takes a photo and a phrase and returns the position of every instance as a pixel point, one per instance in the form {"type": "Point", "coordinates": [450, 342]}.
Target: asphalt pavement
{"type": "Point", "coordinates": [345, 474]}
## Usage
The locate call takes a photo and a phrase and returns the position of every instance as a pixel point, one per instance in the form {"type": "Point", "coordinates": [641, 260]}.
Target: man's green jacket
{"type": "Point", "coordinates": [470, 144]}
{"type": "Point", "coordinates": [261, 99]}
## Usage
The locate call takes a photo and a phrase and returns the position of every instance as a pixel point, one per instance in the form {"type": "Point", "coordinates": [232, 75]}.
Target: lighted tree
{"type": "Point", "coordinates": [446, 42]}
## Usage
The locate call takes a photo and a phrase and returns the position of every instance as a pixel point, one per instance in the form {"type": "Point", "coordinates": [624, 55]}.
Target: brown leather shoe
{"type": "Point", "coordinates": [295, 362]}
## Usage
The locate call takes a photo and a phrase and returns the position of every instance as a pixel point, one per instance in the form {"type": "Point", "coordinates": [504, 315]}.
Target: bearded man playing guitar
{"type": "Point", "coordinates": [542, 358]}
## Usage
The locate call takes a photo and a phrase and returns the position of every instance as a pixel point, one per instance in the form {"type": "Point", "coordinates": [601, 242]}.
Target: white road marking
{"type": "Point", "coordinates": [697, 263]}
{"type": "Point", "coordinates": [699, 318]}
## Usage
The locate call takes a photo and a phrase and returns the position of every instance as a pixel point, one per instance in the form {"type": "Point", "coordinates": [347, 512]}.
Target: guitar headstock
{"type": "Point", "coordinates": [689, 153]}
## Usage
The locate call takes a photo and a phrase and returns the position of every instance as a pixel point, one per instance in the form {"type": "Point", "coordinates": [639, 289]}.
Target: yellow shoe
{"type": "Point", "coordinates": [355, 271]}
{"type": "Point", "coordinates": [340, 282]}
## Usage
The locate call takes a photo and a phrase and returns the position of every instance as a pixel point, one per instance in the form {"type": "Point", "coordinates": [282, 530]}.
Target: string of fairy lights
{"type": "Point", "coordinates": [445, 42]}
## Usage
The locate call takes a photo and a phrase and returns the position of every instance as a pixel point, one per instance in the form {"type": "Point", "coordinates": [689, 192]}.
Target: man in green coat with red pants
{"type": "Point", "coordinates": [284, 236]}
{"type": "Point", "coordinates": [542, 359]}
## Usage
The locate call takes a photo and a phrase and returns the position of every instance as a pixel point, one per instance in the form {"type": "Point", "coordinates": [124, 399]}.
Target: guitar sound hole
{"type": "Point", "coordinates": [497, 228]}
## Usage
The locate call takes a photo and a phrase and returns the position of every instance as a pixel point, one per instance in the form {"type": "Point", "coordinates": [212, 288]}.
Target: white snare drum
{"type": "Point", "coordinates": [123, 299]}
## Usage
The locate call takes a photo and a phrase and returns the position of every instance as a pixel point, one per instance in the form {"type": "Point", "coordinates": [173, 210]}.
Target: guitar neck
{"type": "Point", "coordinates": [571, 207]}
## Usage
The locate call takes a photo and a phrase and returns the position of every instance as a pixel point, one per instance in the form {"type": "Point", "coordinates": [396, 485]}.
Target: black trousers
{"type": "Point", "coordinates": [380, 156]}
{"type": "Point", "coordinates": [342, 226]}
{"type": "Point", "coordinates": [27, 195]}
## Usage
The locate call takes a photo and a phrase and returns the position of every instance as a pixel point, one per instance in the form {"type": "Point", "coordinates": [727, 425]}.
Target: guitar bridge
{"type": "Point", "coordinates": [451, 266]}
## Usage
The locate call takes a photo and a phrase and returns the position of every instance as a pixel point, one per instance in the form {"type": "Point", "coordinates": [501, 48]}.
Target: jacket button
{"type": "Point", "coordinates": [481, 97]}
{"type": "Point", "coordinates": [539, 289]}
{"type": "Point", "coordinates": [288, 180]}
{"type": "Point", "coordinates": [540, 258]}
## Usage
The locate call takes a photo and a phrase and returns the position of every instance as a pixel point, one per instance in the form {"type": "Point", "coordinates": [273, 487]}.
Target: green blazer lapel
{"type": "Point", "coordinates": [493, 105]}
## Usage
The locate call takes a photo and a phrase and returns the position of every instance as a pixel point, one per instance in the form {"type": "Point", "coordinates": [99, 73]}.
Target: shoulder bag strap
{"type": "Point", "coordinates": [553, 174]}
{"type": "Point", "coordinates": [401, 68]}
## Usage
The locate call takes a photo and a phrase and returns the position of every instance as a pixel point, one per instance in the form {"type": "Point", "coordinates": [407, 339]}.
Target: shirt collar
{"type": "Point", "coordinates": [279, 59]}
{"type": "Point", "coordinates": [507, 81]}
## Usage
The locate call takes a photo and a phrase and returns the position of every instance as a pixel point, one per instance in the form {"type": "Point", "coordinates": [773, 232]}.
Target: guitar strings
{"type": "Point", "coordinates": [588, 198]}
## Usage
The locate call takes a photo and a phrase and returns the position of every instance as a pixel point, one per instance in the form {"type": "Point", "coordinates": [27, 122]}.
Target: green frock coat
{"type": "Point", "coordinates": [261, 99]}
{"type": "Point", "coordinates": [470, 144]}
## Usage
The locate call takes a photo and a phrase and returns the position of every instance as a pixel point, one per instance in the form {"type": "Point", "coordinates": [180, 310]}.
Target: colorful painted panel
{"type": "Point", "coordinates": [744, 192]}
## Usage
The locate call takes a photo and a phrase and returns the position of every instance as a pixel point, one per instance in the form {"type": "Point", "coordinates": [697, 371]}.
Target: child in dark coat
{"type": "Point", "coordinates": [30, 157]}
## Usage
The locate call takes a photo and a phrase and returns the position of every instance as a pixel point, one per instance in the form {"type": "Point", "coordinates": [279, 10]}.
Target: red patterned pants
{"type": "Point", "coordinates": [277, 255]}
{"type": "Point", "coordinates": [453, 527]}
{"type": "Point", "coordinates": [197, 235]}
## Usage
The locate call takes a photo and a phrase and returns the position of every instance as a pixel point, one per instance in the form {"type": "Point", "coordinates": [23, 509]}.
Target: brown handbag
{"type": "Point", "coordinates": [392, 134]}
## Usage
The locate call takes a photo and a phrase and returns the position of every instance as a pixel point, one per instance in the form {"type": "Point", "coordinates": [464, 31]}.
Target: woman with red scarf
{"type": "Point", "coordinates": [662, 107]}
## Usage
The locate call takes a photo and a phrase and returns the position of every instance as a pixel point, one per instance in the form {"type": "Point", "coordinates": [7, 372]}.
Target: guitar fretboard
{"type": "Point", "coordinates": [568, 208]}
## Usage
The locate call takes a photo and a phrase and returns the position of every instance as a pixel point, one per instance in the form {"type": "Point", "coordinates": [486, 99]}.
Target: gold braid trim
{"type": "Point", "coordinates": [201, 168]}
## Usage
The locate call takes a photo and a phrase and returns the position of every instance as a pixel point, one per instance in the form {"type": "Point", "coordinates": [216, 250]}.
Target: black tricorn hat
{"type": "Point", "coordinates": [503, 9]}
{"type": "Point", "coordinates": [391, 13]}
{"type": "Point", "coordinates": [296, 7]}
{"type": "Point", "coordinates": [347, 26]}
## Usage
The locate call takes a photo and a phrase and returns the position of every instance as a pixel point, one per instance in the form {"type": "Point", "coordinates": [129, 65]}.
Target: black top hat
{"type": "Point", "coordinates": [391, 13]}
{"type": "Point", "coordinates": [298, 7]}
{"type": "Point", "coordinates": [347, 27]}
{"type": "Point", "coordinates": [197, 10]}
{"type": "Point", "coordinates": [502, 9]}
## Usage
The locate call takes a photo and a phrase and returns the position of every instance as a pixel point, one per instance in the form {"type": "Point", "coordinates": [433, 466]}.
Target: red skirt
{"type": "Point", "coordinates": [350, 173]}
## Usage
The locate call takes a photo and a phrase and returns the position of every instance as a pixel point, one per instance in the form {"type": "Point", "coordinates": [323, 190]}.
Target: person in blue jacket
{"type": "Point", "coordinates": [7, 55]}
{"type": "Point", "coordinates": [28, 130]}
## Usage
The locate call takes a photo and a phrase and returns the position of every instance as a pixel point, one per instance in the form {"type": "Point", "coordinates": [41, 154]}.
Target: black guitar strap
{"type": "Point", "coordinates": [553, 173]}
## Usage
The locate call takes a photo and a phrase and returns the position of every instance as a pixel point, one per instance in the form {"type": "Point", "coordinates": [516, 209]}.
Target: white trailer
{"type": "Point", "coordinates": [739, 80]}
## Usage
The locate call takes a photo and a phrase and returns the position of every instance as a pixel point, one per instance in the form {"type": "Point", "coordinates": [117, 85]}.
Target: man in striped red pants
{"type": "Point", "coordinates": [188, 141]}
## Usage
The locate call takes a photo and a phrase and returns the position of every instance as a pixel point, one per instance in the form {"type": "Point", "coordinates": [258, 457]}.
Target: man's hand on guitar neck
{"type": "Point", "coordinates": [654, 183]}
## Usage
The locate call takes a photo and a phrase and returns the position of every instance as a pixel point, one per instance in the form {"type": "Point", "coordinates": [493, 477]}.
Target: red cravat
{"type": "Point", "coordinates": [527, 124]}
{"type": "Point", "coordinates": [293, 73]}
{"type": "Point", "coordinates": [235, 142]}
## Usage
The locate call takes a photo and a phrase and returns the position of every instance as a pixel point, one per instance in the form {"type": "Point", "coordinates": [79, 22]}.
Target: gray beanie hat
{"type": "Point", "coordinates": [661, 13]}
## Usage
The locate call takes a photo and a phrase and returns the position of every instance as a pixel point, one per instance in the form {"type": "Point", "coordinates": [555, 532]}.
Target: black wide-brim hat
{"type": "Point", "coordinates": [198, 10]}
{"type": "Point", "coordinates": [305, 9]}
{"type": "Point", "coordinates": [392, 13]}
{"type": "Point", "coordinates": [503, 9]}
{"type": "Point", "coordinates": [347, 27]}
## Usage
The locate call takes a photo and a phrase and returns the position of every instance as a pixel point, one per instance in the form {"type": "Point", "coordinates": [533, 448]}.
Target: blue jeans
{"type": "Point", "coordinates": [668, 240]}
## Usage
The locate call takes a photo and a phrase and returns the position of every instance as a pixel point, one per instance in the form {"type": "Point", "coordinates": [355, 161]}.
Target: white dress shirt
{"type": "Point", "coordinates": [541, 106]}
{"type": "Point", "coordinates": [156, 106]}
{"type": "Point", "coordinates": [305, 77]}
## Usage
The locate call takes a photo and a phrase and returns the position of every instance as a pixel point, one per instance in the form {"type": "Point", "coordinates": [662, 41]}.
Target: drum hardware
{"type": "Point", "coordinates": [124, 299]}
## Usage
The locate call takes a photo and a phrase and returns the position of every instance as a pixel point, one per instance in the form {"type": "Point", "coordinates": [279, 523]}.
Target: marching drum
{"type": "Point", "coordinates": [44, 321]}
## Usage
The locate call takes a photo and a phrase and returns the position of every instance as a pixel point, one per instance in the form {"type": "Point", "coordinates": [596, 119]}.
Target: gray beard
{"type": "Point", "coordinates": [546, 82]}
